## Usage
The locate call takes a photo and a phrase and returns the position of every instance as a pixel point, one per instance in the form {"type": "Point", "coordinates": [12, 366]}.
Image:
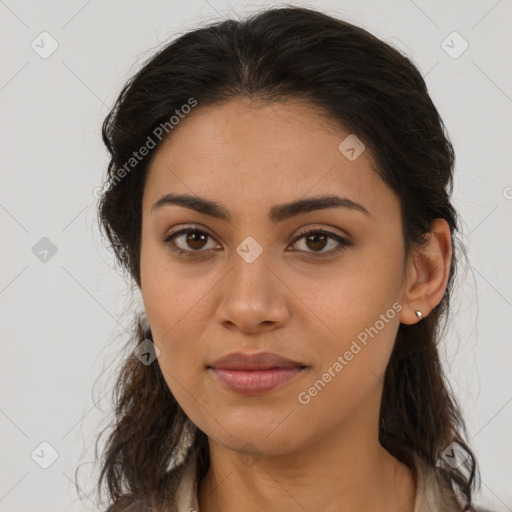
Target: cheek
{"type": "Point", "coordinates": [169, 295]}
{"type": "Point", "coordinates": [351, 373]}
{"type": "Point", "coordinates": [173, 306]}
{"type": "Point", "coordinates": [342, 304]}
{"type": "Point", "coordinates": [173, 317]}
{"type": "Point", "coordinates": [357, 319]}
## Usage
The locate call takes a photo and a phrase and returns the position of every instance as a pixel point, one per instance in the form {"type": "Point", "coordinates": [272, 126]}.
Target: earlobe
{"type": "Point", "coordinates": [427, 275]}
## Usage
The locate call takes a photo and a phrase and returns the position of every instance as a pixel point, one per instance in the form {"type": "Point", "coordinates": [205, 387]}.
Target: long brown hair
{"type": "Point", "coordinates": [369, 88]}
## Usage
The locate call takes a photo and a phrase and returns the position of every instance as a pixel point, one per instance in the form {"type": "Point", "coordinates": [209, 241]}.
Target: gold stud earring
{"type": "Point", "coordinates": [419, 314]}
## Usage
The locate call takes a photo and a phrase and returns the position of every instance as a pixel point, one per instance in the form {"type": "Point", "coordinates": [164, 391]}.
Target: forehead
{"type": "Point", "coordinates": [246, 154]}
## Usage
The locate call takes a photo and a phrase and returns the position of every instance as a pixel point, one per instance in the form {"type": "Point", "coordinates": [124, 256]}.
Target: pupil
{"type": "Point", "coordinates": [315, 238]}
{"type": "Point", "coordinates": [191, 239]}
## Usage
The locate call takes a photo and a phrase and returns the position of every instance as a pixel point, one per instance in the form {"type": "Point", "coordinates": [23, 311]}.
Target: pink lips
{"type": "Point", "coordinates": [253, 374]}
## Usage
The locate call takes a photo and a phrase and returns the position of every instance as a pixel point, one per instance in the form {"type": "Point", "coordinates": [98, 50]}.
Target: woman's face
{"type": "Point", "coordinates": [250, 283]}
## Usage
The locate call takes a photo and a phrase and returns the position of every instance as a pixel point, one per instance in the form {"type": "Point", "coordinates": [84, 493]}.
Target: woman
{"type": "Point", "coordinates": [279, 191]}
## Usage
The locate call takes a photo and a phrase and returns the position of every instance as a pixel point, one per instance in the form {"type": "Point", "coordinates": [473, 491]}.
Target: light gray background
{"type": "Point", "coordinates": [64, 320]}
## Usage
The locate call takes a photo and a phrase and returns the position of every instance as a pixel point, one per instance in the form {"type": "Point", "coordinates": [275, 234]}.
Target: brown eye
{"type": "Point", "coordinates": [195, 240]}
{"type": "Point", "coordinates": [188, 241]}
{"type": "Point", "coordinates": [318, 239]}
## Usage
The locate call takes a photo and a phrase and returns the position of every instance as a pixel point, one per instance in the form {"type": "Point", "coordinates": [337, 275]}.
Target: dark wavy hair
{"type": "Point", "coordinates": [365, 86]}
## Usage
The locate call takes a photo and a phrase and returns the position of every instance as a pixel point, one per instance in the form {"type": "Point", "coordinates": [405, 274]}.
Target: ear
{"type": "Point", "coordinates": [428, 268]}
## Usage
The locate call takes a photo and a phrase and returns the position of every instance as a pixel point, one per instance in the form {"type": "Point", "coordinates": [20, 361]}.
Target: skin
{"type": "Point", "coordinates": [271, 452]}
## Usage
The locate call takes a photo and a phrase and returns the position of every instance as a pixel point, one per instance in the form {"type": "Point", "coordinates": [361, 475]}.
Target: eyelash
{"type": "Point", "coordinates": [190, 254]}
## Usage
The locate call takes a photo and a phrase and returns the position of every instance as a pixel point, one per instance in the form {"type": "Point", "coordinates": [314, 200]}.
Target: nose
{"type": "Point", "coordinates": [253, 296]}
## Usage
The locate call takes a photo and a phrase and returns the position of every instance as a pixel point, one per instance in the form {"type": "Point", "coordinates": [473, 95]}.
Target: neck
{"type": "Point", "coordinates": [355, 472]}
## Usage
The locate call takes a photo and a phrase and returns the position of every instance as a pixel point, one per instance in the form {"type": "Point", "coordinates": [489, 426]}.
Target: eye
{"type": "Point", "coordinates": [318, 240]}
{"type": "Point", "coordinates": [189, 237]}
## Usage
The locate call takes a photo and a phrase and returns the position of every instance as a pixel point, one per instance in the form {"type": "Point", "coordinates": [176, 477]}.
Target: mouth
{"type": "Point", "coordinates": [254, 361]}
{"type": "Point", "coordinates": [258, 381]}
{"type": "Point", "coordinates": [256, 373]}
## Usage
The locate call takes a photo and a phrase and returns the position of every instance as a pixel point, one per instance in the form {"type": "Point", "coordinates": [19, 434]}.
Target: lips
{"type": "Point", "coordinates": [258, 361]}
{"type": "Point", "coordinates": [254, 374]}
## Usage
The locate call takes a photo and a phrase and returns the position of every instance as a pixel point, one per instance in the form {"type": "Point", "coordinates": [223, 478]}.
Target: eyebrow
{"type": "Point", "coordinates": [277, 213]}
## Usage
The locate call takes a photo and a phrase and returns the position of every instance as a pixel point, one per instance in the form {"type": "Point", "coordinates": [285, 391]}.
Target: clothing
{"type": "Point", "coordinates": [433, 493]}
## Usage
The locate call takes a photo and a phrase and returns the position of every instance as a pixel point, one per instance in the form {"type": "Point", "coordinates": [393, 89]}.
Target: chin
{"type": "Point", "coordinates": [256, 442]}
